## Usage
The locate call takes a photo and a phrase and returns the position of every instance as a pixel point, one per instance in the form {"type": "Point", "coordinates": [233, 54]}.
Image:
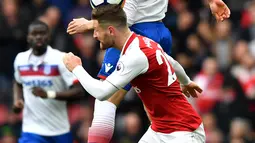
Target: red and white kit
{"type": "Point", "coordinates": [148, 68]}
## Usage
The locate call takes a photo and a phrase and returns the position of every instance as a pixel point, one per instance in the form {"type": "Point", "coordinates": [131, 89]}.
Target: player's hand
{"type": "Point", "coordinates": [18, 106]}
{"type": "Point", "coordinates": [219, 9]}
{"type": "Point", "coordinates": [39, 92]}
{"type": "Point", "coordinates": [71, 61]}
{"type": "Point", "coordinates": [79, 25]}
{"type": "Point", "coordinates": [190, 89]}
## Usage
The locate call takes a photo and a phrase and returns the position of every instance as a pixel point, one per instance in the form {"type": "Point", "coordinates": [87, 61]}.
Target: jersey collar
{"type": "Point", "coordinates": [128, 42]}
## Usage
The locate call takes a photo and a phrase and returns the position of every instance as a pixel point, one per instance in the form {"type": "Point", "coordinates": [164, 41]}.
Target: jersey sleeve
{"type": "Point", "coordinates": [66, 75]}
{"type": "Point", "coordinates": [180, 72]}
{"type": "Point", "coordinates": [16, 70]}
{"type": "Point", "coordinates": [128, 67]}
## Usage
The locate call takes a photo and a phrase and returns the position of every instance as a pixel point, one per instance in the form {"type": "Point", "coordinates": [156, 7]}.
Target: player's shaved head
{"type": "Point", "coordinates": [110, 14]}
{"type": "Point", "coordinates": [38, 23]}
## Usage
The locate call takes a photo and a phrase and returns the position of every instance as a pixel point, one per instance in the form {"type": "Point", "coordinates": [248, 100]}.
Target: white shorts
{"type": "Point", "coordinates": [197, 136]}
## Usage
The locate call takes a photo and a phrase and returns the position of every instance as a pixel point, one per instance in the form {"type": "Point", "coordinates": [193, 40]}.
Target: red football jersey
{"type": "Point", "coordinates": [145, 64]}
{"type": "Point", "coordinates": [161, 94]}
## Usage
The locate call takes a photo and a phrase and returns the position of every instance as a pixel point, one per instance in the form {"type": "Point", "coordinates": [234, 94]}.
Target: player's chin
{"type": "Point", "coordinates": [38, 47]}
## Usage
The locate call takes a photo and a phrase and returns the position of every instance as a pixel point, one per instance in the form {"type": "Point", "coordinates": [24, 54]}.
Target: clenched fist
{"type": "Point", "coordinates": [39, 92]}
{"type": "Point", "coordinates": [71, 61]}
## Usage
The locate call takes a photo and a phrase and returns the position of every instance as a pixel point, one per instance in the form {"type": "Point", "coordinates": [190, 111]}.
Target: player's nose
{"type": "Point", "coordinates": [38, 37]}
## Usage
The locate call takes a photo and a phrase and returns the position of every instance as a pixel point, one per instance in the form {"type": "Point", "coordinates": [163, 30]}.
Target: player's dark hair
{"type": "Point", "coordinates": [39, 22]}
{"type": "Point", "coordinates": [110, 14]}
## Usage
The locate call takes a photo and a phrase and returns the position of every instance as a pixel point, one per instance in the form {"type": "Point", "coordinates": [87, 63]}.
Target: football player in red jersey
{"type": "Point", "coordinates": [150, 71]}
{"type": "Point", "coordinates": [144, 18]}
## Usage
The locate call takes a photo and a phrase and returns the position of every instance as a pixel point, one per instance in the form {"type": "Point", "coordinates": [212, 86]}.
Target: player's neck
{"type": "Point", "coordinates": [121, 40]}
{"type": "Point", "coordinates": [39, 52]}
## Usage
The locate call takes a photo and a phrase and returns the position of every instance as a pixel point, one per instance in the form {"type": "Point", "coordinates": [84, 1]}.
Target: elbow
{"type": "Point", "coordinates": [102, 96]}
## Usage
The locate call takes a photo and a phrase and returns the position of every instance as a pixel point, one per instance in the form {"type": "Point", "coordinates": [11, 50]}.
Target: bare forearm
{"type": "Point", "coordinates": [76, 92]}
{"type": "Point", "coordinates": [117, 97]}
{"type": "Point", "coordinates": [17, 91]}
{"type": "Point", "coordinates": [18, 102]}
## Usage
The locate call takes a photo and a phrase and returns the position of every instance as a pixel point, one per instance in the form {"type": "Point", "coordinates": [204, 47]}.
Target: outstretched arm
{"type": "Point", "coordinates": [183, 78]}
{"type": "Point", "coordinates": [189, 88]}
{"type": "Point", "coordinates": [18, 102]}
{"type": "Point", "coordinates": [79, 25]}
{"type": "Point", "coordinates": [102, 90]}
{"type": "Point", "coordinates": [75, 92]}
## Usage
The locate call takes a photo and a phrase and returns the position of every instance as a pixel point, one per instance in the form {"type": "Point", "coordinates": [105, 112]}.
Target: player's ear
{"type": "Point", "coordinates": [111, 30]}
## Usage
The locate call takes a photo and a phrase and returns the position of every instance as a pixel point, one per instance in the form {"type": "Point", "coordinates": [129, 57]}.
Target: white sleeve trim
{"type": "Point", "coordinates": [101, 90]}
{"type": "Point", "coordinates": [180, 72]}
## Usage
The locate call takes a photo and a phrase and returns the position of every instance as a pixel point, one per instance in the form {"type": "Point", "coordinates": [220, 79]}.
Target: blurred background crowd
{"type": "Point", "coordinates": [220, 57]}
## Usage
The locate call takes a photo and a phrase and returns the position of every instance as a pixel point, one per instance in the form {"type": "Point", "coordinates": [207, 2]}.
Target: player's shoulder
{"type": "Point", "coordinates": [22, 56]}
{"type": "Point", "coordinates": [146, 42]}
{"type": "Point", "coordinates": [24, 53]}
{"type": "Point", "coordinates": [132, 47]}
{"type": "Point", "coordinates": [56, 52]}
{"type": "Point", "coordinates": [54, 55]}
{"type": "Point", "coordinates": [135, 47]}
{"type": "Point", "coordinates": [139, 45]}
{"type": "Point", "coordinates": [147, 45]}
{"type": "Point", "coordinates": [133, 51]}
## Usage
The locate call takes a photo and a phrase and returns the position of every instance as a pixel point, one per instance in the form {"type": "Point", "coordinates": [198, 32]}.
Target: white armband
{"type": "Point", "coordinates": [51, 94]}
